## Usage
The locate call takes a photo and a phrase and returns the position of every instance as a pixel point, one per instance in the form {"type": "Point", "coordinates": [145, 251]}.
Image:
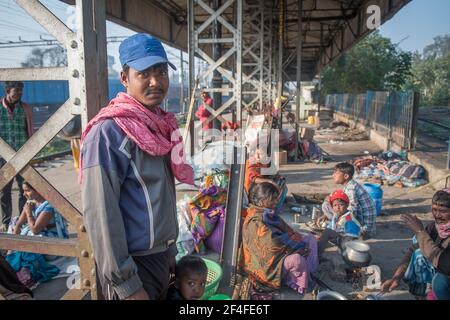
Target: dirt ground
{"type": "Point", "coordinates": [387, 248]}
{"type": "Point", "coordinates": [392, 238]}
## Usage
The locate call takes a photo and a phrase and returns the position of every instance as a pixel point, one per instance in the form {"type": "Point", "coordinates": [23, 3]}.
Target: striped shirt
{"type": "Point", "coordinates": [362, 206]}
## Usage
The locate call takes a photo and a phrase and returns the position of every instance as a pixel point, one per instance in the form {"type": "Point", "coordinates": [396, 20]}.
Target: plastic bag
{"type": "Point", "coordinates": [185, 241]}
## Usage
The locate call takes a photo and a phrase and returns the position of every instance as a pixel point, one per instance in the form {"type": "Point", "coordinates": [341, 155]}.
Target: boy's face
{"type": "Point", "coordinates": [339, 207]}
{"type": "Point", "coordinates": [339, 177]}
{"type": "Point", "coordinates": [441, 214]}
{"type": "Point", "coordinates": [192, 286]}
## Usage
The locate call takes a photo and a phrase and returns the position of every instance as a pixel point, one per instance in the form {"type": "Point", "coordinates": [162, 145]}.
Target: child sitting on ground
{"type": "Point", "coordinates": [343, 226]}
{"type": "Point", "coordinates": [361, 204]}
{"type": "Point", "coordinates": [190, 279]}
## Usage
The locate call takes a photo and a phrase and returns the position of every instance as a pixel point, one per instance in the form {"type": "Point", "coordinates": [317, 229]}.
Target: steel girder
{"type": "Point", "coordinates": [88, 88]}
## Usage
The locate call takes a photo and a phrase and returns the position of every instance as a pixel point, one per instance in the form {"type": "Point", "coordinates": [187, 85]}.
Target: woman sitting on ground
{"type": "Point", "coordinates": [272, 252]}
{"type": "Point", "coordinates": [38, 217]}
{"type": "Point", "coordinates": [428, 259]}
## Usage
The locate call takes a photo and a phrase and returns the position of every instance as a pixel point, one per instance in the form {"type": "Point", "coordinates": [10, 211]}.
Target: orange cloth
{"type": "Point", "coordinates": [252, 171]}
{"type": "Point", "coordinates": [75, 145]}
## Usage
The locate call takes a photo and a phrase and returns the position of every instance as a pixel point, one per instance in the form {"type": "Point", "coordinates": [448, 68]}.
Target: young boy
{"type": "Point", "coordinates": [361, 204]}
{"type": "Point", "coordinates": [190, 279]}
{"type": "Point", "coordinates": [343, 226]}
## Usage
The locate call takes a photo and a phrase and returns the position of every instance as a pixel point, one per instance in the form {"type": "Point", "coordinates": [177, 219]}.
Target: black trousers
{"type": "Point", "coordinates": [6, 198]}
{"type": "Point", "coordinates": [154, 272]}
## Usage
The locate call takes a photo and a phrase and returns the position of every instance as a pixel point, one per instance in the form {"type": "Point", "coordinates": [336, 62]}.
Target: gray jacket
{"type": "Point", "coordinates": [129, 205]}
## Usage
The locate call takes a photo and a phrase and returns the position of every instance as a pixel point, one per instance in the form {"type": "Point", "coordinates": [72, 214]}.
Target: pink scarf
{"type": "Point", "coordinates": [156, 133]}
{"type": "Point", "coordinates": [444, 229]}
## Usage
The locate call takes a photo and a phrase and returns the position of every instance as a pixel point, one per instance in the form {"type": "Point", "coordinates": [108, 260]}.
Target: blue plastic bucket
{"type": "Point", "coordinates": [376, 193]}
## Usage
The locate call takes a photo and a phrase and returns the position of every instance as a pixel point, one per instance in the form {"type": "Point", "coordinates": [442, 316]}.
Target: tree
{"type": "Point", "coordinates": [373, 64]}
{"type": "Point", "coordinates": [431, 73]}
{"type": "Point", "coordinates": [439, 49]}
{"type": "Point", "coordinates": [40, 58]}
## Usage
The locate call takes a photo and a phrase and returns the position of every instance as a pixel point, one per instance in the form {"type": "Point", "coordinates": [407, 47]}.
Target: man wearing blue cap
{"type": "Point", "coordinates": [129, 157]}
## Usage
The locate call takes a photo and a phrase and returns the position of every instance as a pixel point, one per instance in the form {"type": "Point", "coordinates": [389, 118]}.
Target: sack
{"type": "Point", "coordinates": [214, 241]}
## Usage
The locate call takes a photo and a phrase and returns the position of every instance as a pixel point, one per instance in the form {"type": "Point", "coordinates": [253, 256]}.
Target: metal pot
{"type": "Point", "coordinates": [357, 251]}
{"type": "Point", "coordinates": [330, 295]}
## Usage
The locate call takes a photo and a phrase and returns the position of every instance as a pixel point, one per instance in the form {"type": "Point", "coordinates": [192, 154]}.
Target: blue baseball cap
{"type": "Point", "coordinates": [141, 51]}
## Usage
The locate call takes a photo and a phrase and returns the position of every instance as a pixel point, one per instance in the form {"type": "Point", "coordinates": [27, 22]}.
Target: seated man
{"type": "Point", "coordinates": [361, 204]}
{"type": "Point", "coordinates": [343, 226]}
{"type": "Point", "coordinates": [428, 259]}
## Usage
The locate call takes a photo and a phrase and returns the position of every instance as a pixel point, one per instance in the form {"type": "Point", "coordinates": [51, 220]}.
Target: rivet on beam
{"type": "Point", "coordinates": [75, 74]}
{"type": "Point", "coordinates": [82, 228]}
{"type": "Point", "coordinates": [86, 283]}
{"type": "Point", "coordinates": [77, 101]}
{"type": "Point", "coordinates": [84, 254]}
{"type": "Point", "coordinates": [74, 44]}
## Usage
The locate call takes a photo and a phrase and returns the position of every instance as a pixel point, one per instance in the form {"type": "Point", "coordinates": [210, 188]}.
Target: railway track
{"type": "Point", "coordinates": [440, 130]}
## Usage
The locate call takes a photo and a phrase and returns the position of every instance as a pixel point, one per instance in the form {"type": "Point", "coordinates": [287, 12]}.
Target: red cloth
{"type": "Point", "coordinates": [156, 133]}
{"type": "Point", "coordinates": [339, 194]}
{"type": "Point", "coordinates": [204, 114]}
{"type": "Point", "coordinates": [230, 125]}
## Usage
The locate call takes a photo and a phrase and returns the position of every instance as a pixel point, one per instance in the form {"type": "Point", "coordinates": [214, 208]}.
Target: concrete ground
{"type": "Point", "coordinates": [387, 248]}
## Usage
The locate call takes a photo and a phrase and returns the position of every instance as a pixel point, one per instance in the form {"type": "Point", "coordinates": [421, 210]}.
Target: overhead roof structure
{"type": "Point", "coordinates": [330, 27]}
{"type": "Point", "coordinates": [253, 37]}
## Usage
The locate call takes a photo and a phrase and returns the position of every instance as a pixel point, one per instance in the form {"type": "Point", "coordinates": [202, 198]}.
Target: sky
{"type": "Point", "coordinates": [416, 24]}
{"type": "Point", "coordinates": [413, 27]}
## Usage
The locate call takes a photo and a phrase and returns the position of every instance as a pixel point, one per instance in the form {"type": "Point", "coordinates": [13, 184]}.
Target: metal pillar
{"type": "Point", "coordinates": [202, 41]}
{"type": "Point", "coordinates": [280, 83]}
{"type": "Point", "coordinates": [88, 89]}
{"type": "Point", "coordinates": [252, 56]}
{"type": "Point", "coordinates": [319, 86]}
{"type": "Point", "coordinates": [183, 104]}
{"type": "Point", "coordinates": [280, 49]}
{"type": "Point", "coordinates": [299, 73]}
{"type": "Point", "coordinates": [267, 54]}
{"type": "Point", "coordinates": [217, 53]}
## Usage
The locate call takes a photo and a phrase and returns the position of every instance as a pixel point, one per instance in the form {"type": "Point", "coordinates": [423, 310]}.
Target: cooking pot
{"type": "Point", "coordinates": [357, 252]}
{"type": "Point", "coordinates": [330, 295]}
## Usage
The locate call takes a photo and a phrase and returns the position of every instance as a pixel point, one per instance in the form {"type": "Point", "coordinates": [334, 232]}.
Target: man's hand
{"type": "Point", "coordinates": [413, 223]}
{"type": "Point", "coordinates": [390, 284]}
{"type": "Point", "coordinates": [141, 294]}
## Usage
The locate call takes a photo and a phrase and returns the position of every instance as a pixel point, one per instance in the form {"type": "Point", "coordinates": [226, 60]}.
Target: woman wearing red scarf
{"type": "Point", "coordinates": [432, 247]}
{"type": "Point", "coordinates": [131, 152]}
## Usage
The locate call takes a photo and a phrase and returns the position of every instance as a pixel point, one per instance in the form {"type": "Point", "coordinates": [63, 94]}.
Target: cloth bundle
{"type": "Point", "coordinates": [206, 209]}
